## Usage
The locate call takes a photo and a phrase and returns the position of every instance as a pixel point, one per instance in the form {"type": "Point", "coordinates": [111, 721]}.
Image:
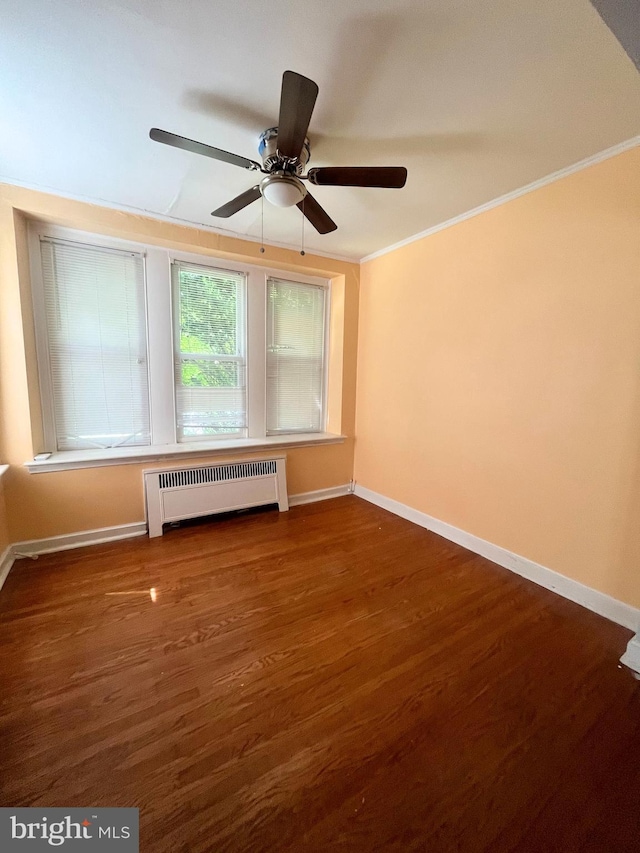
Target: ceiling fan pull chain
{"type": "Point", "coordinates": [302, 241]}
{"type": "Point", "coordinates": [262, 225]}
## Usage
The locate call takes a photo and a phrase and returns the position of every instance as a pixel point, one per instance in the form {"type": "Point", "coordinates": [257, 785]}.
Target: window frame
{"type": "Point", "coordinates": [324, 390]}
{"type": "Point", "coordinates": [160, 328]}
{"type": "Point", "coordinates": [45, 380]}
{"type": "Point", "coordinates": [242, 312]}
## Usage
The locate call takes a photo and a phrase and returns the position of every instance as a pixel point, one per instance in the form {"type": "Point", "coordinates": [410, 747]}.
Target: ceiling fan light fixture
{"type": "Point", "coordinates": [282, 190]}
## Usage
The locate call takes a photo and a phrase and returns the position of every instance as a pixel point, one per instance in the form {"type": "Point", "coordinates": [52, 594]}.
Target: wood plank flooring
{"type": "Point", "coordinates": [331, 678]}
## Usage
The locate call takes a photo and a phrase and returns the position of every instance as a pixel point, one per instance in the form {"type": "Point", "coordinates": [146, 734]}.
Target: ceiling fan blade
{"type": "Point", "coordinates": [237, 203]}
{"type": "Point", "coordinates": [297, 100]}
{"type": "Point", "coordinates": [390, 177]}
{"type": "Point", "coordinates": [316, 215]}
{"type": "Point", "coordinates": [200, 148]}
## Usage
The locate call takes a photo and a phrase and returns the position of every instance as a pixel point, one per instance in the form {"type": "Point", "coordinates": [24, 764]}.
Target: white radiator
{"type": "Point", "coordinates": [173, 494]}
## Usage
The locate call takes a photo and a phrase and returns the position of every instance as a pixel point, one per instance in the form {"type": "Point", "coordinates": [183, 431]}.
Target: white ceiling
{"type": "Point", "coordinates": [475, 97]}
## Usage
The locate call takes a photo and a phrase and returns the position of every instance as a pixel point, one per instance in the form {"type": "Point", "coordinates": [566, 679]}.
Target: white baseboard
{"type": "Point", "coordinates": [33, 547]}
{"type": "Point", "coordinates": [598, 602]}
{"type": "Point", "coordinates": [631, 657]}
{"type": "Point", "coordinates": [319, 495]}
{"type": "Point", "coordinates": [6, 561]}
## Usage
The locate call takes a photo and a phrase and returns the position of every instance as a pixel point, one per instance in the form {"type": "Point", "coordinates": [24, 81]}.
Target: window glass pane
{"type": "Point", "coordinates": [96, 334]}
{"type": "Point", "coordinates": [210, 366]}
{"type": "Point", "coordinates": [295, 357]}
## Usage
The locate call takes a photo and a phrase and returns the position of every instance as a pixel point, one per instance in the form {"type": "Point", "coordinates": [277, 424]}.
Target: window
{"type": "Point", "coordinates": [210, 364]}
{"type": "Point", "coordinates": [97, 348]}
{"type": "Point", "coordinates": [139, 345]}
{"type": "Point", "coordinates": [295, 356]}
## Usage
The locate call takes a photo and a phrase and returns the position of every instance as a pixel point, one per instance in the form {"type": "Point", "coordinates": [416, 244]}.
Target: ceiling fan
{"type": "Point", "coordinates": [285, 152]}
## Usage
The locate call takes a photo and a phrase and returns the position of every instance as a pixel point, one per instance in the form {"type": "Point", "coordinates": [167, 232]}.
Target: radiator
{"type": "Point", "coordinates": [173, 494]}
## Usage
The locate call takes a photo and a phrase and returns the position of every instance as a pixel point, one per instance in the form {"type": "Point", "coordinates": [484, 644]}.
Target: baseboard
{"type": "Point", "coordinates": [6, 561]}
{"type": "Point", "coordinates": [598, 602]}
{"type": "Point", "coordinates": [631, 657]}
{"type": "Point", "coordinates": [319, 495]}
{"type": "Point", "coordinates": [33, 547]}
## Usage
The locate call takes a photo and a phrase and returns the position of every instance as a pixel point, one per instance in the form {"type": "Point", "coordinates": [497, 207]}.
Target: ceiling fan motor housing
{"type": "Point", "coordinates": [271, 159]}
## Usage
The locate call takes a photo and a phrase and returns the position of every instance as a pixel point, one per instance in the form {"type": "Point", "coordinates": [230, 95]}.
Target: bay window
{"type": "Point", "coordinates": [144, 346]}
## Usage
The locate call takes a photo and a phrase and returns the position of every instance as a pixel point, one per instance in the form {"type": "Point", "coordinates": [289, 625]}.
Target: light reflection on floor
{"type": "Point", "coordinates": [152, 593]}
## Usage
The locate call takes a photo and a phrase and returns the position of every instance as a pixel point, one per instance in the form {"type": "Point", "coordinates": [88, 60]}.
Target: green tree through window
{"type": "Point", "coordinates": [210, 365]}
{"type": "Point", "coordinates": [208, 326]}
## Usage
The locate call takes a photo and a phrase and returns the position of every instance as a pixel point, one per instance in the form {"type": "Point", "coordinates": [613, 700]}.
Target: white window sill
{"type": "Point", "coordinates": [70, 459]}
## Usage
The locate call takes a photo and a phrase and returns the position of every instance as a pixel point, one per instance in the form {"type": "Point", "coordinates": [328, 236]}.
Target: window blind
{"type": "Point", "coordinates": [210, 363]}
{"type": "Point", "coordinates": [295, 356]}
{"type": "Point", "coordinates": [96, 335]}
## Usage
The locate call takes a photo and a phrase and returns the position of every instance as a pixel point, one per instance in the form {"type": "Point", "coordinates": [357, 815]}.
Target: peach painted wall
{"type": "Point", "coordinates": [499, 376]}
{"type": "Point", "coordinates": [43, 505]}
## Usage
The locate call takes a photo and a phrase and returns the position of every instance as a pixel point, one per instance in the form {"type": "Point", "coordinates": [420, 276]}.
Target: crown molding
{"type": "Point", "coordinates": [510, 196]}
{"type": "Point", "coordinates": [620, 148]}
{"type": "Point", "coordinates": [172, 220]}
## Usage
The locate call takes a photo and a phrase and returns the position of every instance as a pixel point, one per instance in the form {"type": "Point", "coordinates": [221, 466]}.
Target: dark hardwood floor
{"type": "Point", "coordinates": [331, 678]}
